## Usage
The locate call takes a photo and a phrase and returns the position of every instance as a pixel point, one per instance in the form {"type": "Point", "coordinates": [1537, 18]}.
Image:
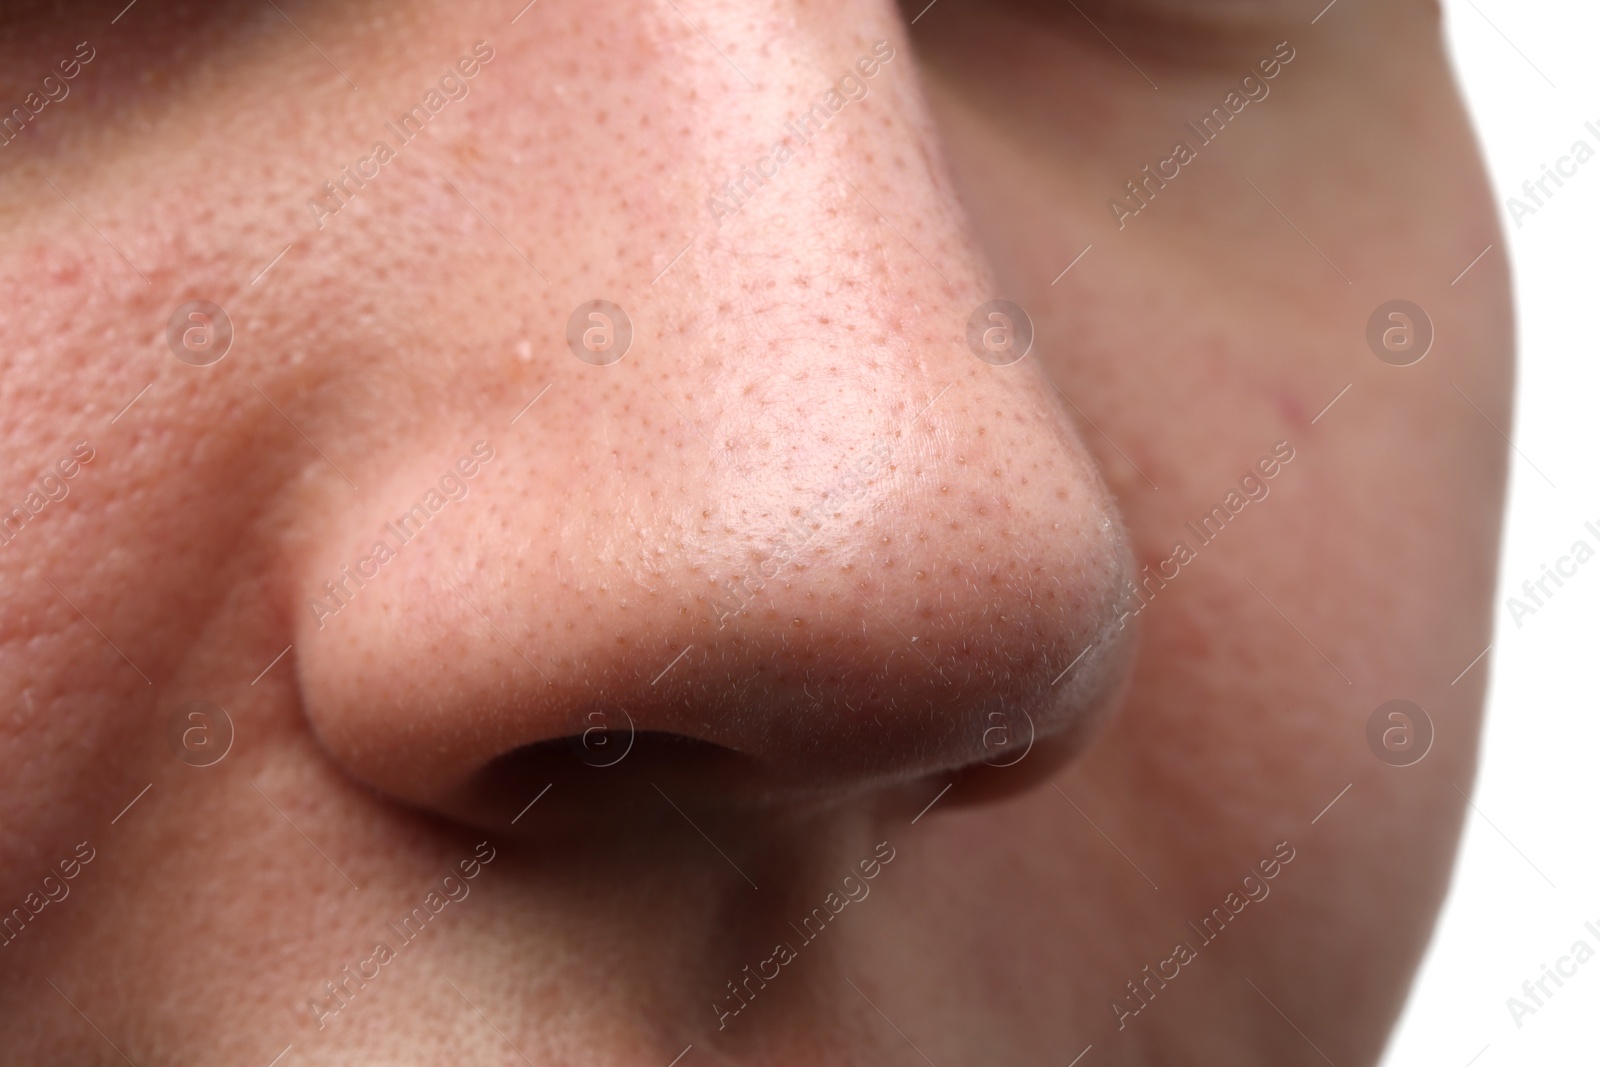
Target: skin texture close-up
{"type": "Point", "coordinates": [526, 540]}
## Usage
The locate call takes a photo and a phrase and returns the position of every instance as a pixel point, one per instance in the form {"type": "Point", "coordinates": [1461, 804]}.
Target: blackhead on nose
{"type": "Point", "coordinates": [801, 514]}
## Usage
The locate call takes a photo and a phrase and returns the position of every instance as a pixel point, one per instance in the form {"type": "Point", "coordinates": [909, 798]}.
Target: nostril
{"type": "Point", "coordinates": [986, 669]}
{"type": "Point", "coordinates": [802, 744]}
{"type": "Point", "coordinates": [602, 747]}
{"type": "Point", "coordinates": [602, 777]}
{"type": "Point", "coordinates": [830, 620]}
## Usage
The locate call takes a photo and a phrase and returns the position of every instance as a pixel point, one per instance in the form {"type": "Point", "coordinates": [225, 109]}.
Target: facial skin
{"type": "Point", "coordinates": [934, 551]}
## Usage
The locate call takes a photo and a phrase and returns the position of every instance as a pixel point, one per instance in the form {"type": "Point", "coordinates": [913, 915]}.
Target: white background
{"type": "Point", "coordinates": [1538, 790]}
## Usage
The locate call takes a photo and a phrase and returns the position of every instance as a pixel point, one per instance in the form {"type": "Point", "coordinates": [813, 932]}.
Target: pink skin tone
{"type": "Point", "coordinates": [799, 527]}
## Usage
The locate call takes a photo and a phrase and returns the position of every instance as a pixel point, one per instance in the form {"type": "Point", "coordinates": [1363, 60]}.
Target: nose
{"type": "Point", "coordinates": [775, 524]}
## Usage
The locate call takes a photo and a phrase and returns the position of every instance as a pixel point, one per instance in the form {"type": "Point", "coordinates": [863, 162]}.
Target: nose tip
{"type": "Point", "coordinates": [883, 600]}
{"type": "Point", "coordinates": [801, 539]}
